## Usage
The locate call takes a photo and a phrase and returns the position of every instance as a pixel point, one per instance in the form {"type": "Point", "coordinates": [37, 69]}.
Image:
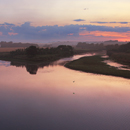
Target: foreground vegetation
{"type": "Point", "coordinates": [95, 64]}
{"type": "Point", "coordinates": [34, 54]}
{"type": "Point", "coordinates": [120, 53]}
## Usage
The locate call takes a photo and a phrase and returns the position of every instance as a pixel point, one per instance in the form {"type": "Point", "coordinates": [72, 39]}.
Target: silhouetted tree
{"type": "Point", "coordinates": [65, 50]}
{"type": "Point", "coordinates": [125, 48]}
{"type": "Point", "coordinates": [31, 51]}
{"type": "Point", "coordinates": [32, 69]}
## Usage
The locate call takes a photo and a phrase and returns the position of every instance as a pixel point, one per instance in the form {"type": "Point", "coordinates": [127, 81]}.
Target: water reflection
{"type": "Point", "coordinates": [31, 68]}
{"type": "Point", "coordinates": [4, 63]}
{"type": "Point", "coordinates": [65, 60]}
{"type": "Point", "coordinates": [117, 65]}
{"type": "Point", "coordinates": [46, 101]}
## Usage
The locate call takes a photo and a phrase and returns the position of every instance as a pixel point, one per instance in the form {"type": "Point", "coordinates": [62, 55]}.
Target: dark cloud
{"type": "Point", "coordinates": [102, 22]}
{"type": "Point", "coordinates": [112, 22]}
{"type": "Point", "coordinates": [123, 22]}
{"type": "Point", "coordinates": [28, 32]}
{"type": "Point", "coordinates": [109, 22]}
{"type": "Point", "coordinates": [5, 28]}
{"type": "Point", "coordinates": [106, 28]}
{"type": "Point", "coordinates": [78, 20]}
{"type": "Point", "coordinates": [7, 24]}
{"type": "Point", "coordinates": [45, 32]}
{"type": "Point", "coordinates": [99, 22]}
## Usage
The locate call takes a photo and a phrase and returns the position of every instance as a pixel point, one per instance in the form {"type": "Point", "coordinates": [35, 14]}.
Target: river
{"type": "Point", "coordinates": [58, 98]}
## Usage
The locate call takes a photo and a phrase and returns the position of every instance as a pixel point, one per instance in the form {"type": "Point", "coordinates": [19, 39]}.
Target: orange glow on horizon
{"type": "Point", "coordinates": [124, 40]}
{"type": "Point", "coordinates": [123, 36]}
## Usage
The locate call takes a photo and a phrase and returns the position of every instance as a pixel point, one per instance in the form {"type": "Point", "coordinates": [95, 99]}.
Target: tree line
{"type": "Point", "coordinates": [5, 44]}
{"type": "Point", "coordinates": [61, 51]}
{"type": "Point", "coordinates": [119, 53]}
{"type": "Point", "coordinates": [92, 46]}
{"type": "Point", "coordinates": [124, 48]}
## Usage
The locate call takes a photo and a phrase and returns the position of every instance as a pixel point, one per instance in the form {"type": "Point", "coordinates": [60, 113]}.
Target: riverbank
{"type": "Point", "coordinates": [95, 64]}
{"type": "Point", "coordinates": [123, 58]}
{"type": "Point", "coordinates": [25, 58]}
{"type": "Point", "coordinates": [35, 55]}
{"type": "Point", "coordinates": [119, 53]}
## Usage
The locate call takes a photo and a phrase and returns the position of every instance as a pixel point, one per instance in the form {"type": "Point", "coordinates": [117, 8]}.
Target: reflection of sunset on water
{"type": "Point", "coordinates": [56, 94]}
{"type": "Point", "coordinates": [59, 77]}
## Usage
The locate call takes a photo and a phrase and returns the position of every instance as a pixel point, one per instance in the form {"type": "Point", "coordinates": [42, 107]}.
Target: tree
{"type": "Point", "coordinates": [65, 50]}
{"type": "Point", "coordinates": [31, 51]}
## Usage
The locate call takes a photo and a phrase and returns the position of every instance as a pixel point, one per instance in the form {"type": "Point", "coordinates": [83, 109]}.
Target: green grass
{"type": "Point", "coordinates": [94, 64]}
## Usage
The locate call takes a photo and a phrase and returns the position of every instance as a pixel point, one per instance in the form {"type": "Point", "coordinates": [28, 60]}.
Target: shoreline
{"type": "Point", "coordinates": [95, 64]}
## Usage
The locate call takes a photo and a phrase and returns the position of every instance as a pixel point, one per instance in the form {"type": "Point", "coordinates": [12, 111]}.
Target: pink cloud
{"type": "Point", "coordinates": [11, 33]}
{"type": "Point", "coordinates": [121, 36]}
{"type": "Point", "coordinates": [70, 34]}
{"type": "Point", "coordinates": [105, 33]}
{"type": "Point", "coordinates": [1, 33]}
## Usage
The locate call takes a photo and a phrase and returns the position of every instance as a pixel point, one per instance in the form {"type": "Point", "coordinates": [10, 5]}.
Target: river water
{"type": "Point", "coordinates": [58, 98]}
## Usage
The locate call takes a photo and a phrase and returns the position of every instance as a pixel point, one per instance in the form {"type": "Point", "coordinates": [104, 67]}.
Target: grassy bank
{"type": "Point", "coordinates": [119, 53]}
{"type": "Point", "coordinates": [123, 58]}
{"type": "Point", "coordinates": [94, 64]}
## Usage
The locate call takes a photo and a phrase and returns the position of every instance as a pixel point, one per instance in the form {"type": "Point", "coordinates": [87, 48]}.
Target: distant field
{"type": "Point", "coordinates": [10, 49]}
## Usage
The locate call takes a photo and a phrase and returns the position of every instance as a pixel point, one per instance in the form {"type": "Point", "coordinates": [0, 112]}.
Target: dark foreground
{"type": "Point", "coordinates": [95, 64]}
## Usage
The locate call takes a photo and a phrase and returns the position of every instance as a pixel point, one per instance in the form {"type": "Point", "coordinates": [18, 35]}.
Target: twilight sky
{"type": "Point", "coordinates": [59, 20]}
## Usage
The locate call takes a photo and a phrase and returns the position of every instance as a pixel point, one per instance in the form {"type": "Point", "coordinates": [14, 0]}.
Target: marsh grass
{"type": "Point", "coordinates": [95, 64]}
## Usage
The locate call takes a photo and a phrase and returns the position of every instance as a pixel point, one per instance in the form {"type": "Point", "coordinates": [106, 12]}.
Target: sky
{"type": "Point", "coordinates": [42, 21]}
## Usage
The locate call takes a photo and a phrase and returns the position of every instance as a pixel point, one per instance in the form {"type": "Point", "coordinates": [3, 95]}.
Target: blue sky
{"type": "Point", "coordinates": [60, 20]}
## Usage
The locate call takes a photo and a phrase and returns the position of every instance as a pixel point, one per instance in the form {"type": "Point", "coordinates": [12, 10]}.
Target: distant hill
{"type": "Point", "coordinates": [56, 44]}
{"type": "Point", "coordinates": [74, 43]}
{"type": "Point", "coordinates": [4, 44]}
{"type": "Point", "coordinates": [92, 46]}
{"type": "Point", "coordinates": [113, 42]}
